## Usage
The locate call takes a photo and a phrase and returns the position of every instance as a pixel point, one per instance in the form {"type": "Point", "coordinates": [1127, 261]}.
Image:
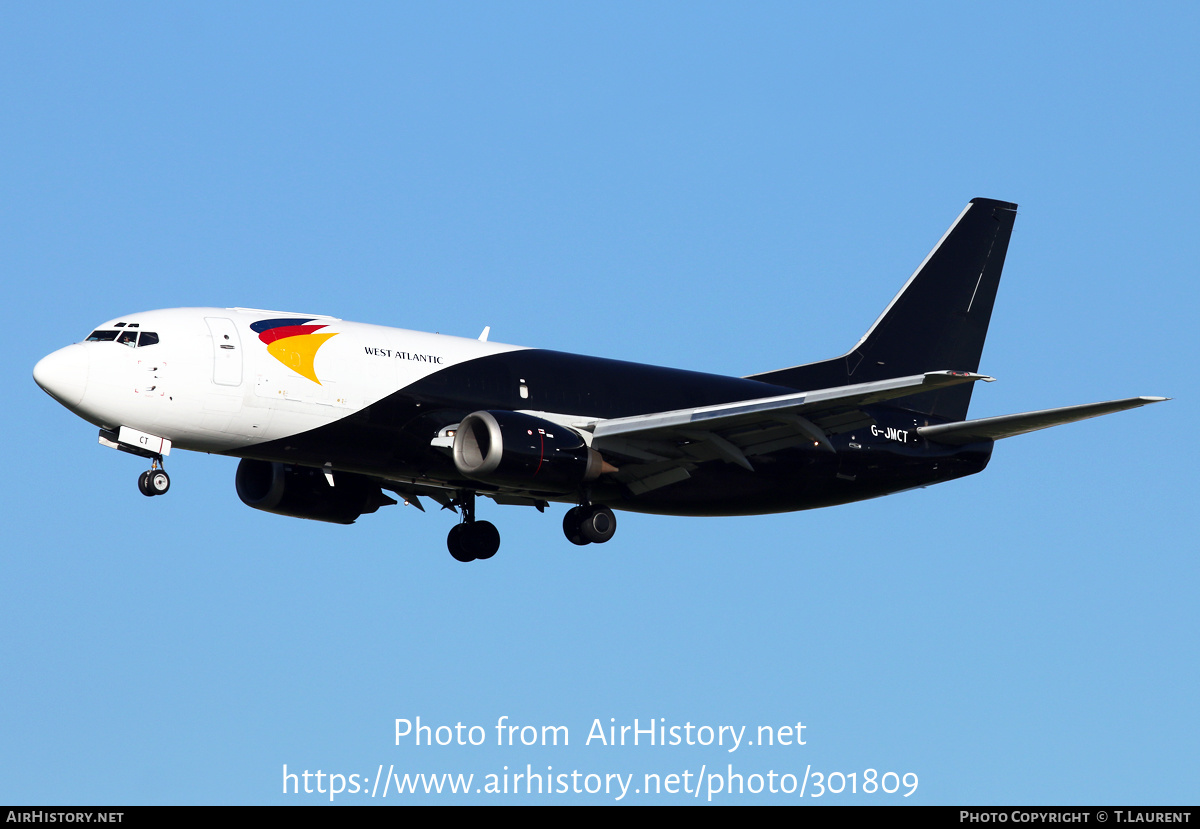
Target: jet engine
{"type": "Point", "coordinates": [520, 450]}
{"type": "Point", "coordinates": [303, 492]}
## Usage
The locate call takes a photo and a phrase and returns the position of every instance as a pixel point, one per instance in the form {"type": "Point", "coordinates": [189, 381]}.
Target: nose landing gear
{"type": "Point", "coordinates": [154, 481]}
{"type": "Point", "coordinates": [471, 539]}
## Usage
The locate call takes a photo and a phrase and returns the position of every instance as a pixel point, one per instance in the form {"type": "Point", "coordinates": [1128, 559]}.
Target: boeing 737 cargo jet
{"type": "Point", "coordinates": [330, 416]}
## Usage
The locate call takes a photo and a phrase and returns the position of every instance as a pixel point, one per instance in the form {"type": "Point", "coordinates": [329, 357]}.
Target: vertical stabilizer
{"type": "Point", "coordinates": [939, 320]}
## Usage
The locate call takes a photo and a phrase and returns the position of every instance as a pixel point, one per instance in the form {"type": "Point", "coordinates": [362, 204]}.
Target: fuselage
{"type": "Point", "coordinates": [329, 415]}
{"type": "Point", "coordinates": [314, 391]}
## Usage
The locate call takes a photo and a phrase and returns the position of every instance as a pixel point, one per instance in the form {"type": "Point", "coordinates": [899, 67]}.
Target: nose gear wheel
{"type": "Point", "coordinates": [155, 480]}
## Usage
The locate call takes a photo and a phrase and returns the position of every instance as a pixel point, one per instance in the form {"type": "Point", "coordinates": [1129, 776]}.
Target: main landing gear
{"type": "Point", "coordinates": [589, 524]}
{"type": "Point", "coordinates": [154, 481]}
{"type": "Point", "coordinates": [471, 539]}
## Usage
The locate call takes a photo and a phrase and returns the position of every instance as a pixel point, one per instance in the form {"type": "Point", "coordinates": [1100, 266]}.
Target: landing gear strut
{"type": "Point", "coordinates": [154, 481]}
{"type": "Point", "coordinates": [471, 539]}
{"type": "Point", "coordinates": [589, 524]}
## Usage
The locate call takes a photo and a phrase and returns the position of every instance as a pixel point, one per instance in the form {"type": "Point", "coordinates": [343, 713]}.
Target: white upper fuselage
{"type": "Point", "coordinates": [212, 384]}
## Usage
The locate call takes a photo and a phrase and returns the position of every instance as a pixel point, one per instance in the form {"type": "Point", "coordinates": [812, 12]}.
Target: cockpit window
{"type": "Point", "coordinates": [126, 337]}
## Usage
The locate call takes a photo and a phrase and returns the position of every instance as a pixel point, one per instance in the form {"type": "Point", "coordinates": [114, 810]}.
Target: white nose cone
{"type": "Point", "coordinates": [64, 374]}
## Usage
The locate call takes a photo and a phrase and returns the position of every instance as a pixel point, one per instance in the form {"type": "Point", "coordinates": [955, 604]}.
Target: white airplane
{"type": "Point", "coordinates": [327, 415]}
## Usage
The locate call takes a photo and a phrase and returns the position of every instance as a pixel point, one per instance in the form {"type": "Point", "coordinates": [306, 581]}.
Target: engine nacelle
{"type": "Point", "coordinates": [520, 450]}
{"type": "Point", "coordinates": [303, 492]}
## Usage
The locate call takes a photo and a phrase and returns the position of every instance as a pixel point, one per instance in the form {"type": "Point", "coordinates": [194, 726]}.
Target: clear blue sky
{"type": "Point", "coordinates": [715, 187]}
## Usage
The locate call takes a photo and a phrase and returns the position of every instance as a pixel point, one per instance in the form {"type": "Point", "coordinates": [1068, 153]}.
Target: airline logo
{"type": "Point", "coordinates": [293, 342]}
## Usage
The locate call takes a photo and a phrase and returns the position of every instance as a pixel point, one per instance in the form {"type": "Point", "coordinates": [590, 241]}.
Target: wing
{"type": "Point", "coordinates": [661, 448]}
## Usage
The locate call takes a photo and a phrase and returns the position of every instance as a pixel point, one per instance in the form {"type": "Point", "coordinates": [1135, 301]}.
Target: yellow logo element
{"type": "Point", "coordinates": [293, 343]}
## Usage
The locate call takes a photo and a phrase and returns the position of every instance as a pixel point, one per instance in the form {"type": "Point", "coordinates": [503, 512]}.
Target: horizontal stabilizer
{"type": "Point", "coordinates": [1005, 426]}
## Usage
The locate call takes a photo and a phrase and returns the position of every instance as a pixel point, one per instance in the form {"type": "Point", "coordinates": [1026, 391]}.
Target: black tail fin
{"type": "Point", "coordinates": [938, 320]}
